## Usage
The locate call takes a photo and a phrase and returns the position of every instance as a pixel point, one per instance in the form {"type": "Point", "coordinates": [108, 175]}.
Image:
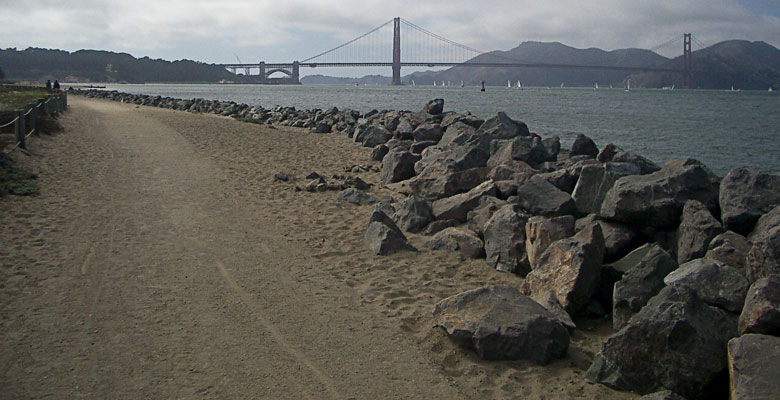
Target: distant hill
{"type": "Point", "coordinates": [332, 80]}
{"type": "Point", "coordinates": [738, 63]}
{"type": "Point", "coordinates": [551, 53]}
{"type": "Point", "coordinates": [105, 66]}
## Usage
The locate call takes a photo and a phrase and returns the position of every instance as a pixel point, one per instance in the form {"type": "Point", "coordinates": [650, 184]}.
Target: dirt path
{"type": "Point", "coordinates": [153, 278]}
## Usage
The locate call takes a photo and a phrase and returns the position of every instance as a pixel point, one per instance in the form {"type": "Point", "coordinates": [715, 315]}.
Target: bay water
{"type": "Point", "coordinates": [723, 129]}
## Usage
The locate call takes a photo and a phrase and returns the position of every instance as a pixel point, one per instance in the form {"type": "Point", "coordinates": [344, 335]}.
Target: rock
{"type": "Point", "coordinates": [508, 169]}
{"type": "Point", "coordinates": [570, 268]}
{"type": "Point", "coordinates": [427, 132]}
{"type": "Point", "coordinates": [418, 147]}
{"type": "Point", "coordinates": [761, 313]}
{"type": "Point", "coordinates": [321, 127]}
{"type": "Point", "coordinates": [697, 229]}
{"type": "Point", "coordinates": [744, 197]}
{"type": "Point", "coordinates": [379, 151]}
{"type": "Point", "coordinates": [458, 206]}
{"type": "Point", "coordinates": [506, 189]}
{"type": "Point", "coordinates": [608, 152]}
{"type": "Point", "coordinates": [766, 223]}
{"type": "Point", "coordinates": [539, 197]}
{"type": "Point", "coordinates": [541, 232]}
{"type": "Point", "coordinates": [505, 241]}
{"type": "Point", "coordinates": [552, 146]}
{"type": "Point", "coordinates": [763, 259]}
{"type": "Point", "coordinates": [375, 135]}
{"type": "Point", "coordinates": [440, 180]}
{"type": "Point", "coordinates": [281, 176]}
{"type": "Point", "coordinates": [550, 302]}
{"type": "Point", "coordinates": [457, 133]}
{"type": "Point", "coordinates": [676, 342]}
{"type": "Point", "coordinates": [501, 126]}
{"type": "Point", "coordinates": [434, 107]}
{"type": "Point", "coordinates": [383, 236]}
{"type": "Point", "coordinates": [438, 226]}
{"type": "Point", "coordinates": [619, 238]}
{"type": "Point", "coordinates": [456, 239]}
{"type": "Point", "coordinates": [357, 183]}
{"type": "Point", "coordinates": [595, 181]}
{"type": "Point", "coordinates": [562, 179]}
{"type": "Point", "coordinates": [729, 248]}
{"type": "Point", "coordinates": [526, 149]}
{"type": "Point", "coordinates": [398, 166]}
{"type": "Point", "coordinates": [657, 199]}
{"type": "Point", "coordinates": [639, 284]}
{"type": "Point", "coordinates": [645, 166]}
{"type": "Point", "coordinates": [356, 196]}
{"type": "Point", "coordinates": [502, 324]}
{"type": "Point", "coordinates": [404, 130]}
{"type": "Point", "coordinates": [413, 214]}
{"type": "Point", "coordinates": [662, 395]}
{"type": "Point", "coordinates": [584, 146]}
{"type": "Point", "coordinates": [479, 216]}
{"type": "Point", "coordinates": [717, 284]}
{"type": "Point", "coordinates": [752, 361]}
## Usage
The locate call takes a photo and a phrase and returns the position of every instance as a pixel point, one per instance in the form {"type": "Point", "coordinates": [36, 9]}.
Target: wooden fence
{"type": "Point", "coordinates": [25, 122]}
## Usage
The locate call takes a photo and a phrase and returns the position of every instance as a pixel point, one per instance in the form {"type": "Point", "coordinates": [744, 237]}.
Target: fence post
{"type": "Point", "coordinates": [20, 128]}
{"type": "Point", "coordinates": [33, 118]}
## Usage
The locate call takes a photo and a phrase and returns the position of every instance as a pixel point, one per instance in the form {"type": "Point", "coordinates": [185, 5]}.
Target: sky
{"type": "Point", "coordinates": [214, 31]}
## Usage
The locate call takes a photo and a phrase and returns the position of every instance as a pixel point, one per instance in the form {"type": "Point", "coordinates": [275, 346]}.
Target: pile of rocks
{"type": "Point", "coordinates": [671, 252]}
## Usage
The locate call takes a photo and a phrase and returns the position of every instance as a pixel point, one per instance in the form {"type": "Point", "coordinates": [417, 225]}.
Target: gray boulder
{"type": "Point", "coordinates": [595, 181]}
{"type": "Point", "coordinates": [505, 241]}
{"type": "Point", "coordinates": [584, 146]}
{"type": "Point", "coordinates": [457, 133]}
{"type": "Point", "coordinates": [379, 152]}
{"type": "Point", "coordinates": [526, 149]}
{"type": "Point", "coordinates": [729, 248]}
{"type": "Point", "coordinates": [645, 166]}
{"type": "Point", "coordinates": [662, 395]}
{"type": "Point", "coordinates": [752, 361]}
{"type": "Point", "coordinates": [398, 166]}
{"type": "Point", "coordinates": [763, 259]}
{"type": "Point", "coordinates": [619, 239]}
{"type": "Point", "coordinates": [441, 180]}
{"type": "Point", "coordinates": [383, 236]}
{"type": "Point", "coordinates": [570, 268]}
{"type": "Point", "coordinates": [766, 223]}
{"type": "Point", "coordinates": [502, 324]}
{"type": "Point", "coordinates": [551, 303]}
{"type": "Point", "coordinates": [657, 199]}
{"type": "Point", "coordinates": [427, 131]}
{"type": "Point", "coordinates": [418, 147]}
{"type": "Point", "coordinates": [541, 232]}
{"type": "Point", "coordinates": [639, 284]}
{"type": "Point", "coordinates": [676, 342]}
{"type": "Point", "coordinates": [697, 229]}
{"type": "Point", "coordinates": [552, 146]}
{"type": "Point", "coordinates": [539, 197]}
{"type": "Point", "coordinates": [761, 313]}
{"type": "Point", "coordinates": [463, 241]}
{"type": "Point", "coordinates": [458, 206]}
{"type": "Point", "coordinates": [356, 196]}
{"type": "Point", "coordinates": [413, 214]}
{"type": "Point", "coordinates": [374, 135]}
{"type": "Point", "coordinates": [717, 284]}
{"type": "Point", "coordinates": [404, 130]}
{"type": "Point", "coordinates": [434, 107]}
{"type": "Point", "coordinates": [501, 126]}
{"type": "Point", "coordinates": [479, 216]}
{"type": "Point", "coordinates": [437, 226]}
{"type": "Point", "coordinates": [744, 197]}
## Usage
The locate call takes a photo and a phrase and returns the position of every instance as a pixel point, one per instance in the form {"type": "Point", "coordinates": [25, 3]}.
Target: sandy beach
{"type": "Point", "coordinates": [162, 259]}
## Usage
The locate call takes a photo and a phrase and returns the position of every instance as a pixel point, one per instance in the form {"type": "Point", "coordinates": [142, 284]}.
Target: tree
{"type": "Point", "coordinates": [2, 75]}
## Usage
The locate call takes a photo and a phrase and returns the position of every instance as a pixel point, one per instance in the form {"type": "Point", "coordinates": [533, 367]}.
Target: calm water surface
{"type": "Point", "coordinates": [722, 129]}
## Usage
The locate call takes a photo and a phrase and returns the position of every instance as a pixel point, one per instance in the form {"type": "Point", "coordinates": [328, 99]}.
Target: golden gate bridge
{"type": "Point", "coordinates": [382, 47]}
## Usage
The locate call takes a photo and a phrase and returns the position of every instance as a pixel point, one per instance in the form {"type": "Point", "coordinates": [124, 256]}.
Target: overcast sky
{"type": "Point", "coordinates": [283, 30]}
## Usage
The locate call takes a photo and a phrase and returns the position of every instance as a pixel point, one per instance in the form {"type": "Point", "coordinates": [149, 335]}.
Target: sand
{"type": "Point", "coordinates": [163, 260]}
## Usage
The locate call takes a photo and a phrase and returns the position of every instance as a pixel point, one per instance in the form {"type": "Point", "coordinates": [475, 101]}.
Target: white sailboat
{"type": "Point", "coordinates": [561, 84]}
{"type": "Point", "coordinates": [596, 87]}
{"type": "Point", "coordinates": [442, 84]}
{"type": "Point", "coordinates": [461, 84]}
{"type": "Point", "coordinates": [508, 84]}
{"type": "Point", "coordinates": [628, 85]}
{"type": "Point", "coordinates": [413, 83]}
{"type": "Point", "coordinates": [770, 89]}
{"type": "Point", "coordinates": [434, 83]}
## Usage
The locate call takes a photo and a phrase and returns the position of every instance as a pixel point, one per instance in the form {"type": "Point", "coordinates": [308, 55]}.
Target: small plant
{"type": "Point", "coordinates": [14, 180]}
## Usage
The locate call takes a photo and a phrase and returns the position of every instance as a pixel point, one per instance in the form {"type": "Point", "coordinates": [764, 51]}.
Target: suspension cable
{"type": "Point", "coordinates": [349, 42]}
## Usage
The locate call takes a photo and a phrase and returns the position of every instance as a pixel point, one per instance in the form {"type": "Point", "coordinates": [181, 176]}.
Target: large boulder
{"type": "Point", "coordinates": [753, 367]}
{"type": "Point", "coordinates": [570, 268]}
{"type": "Point", "coordinates": [478, 217]}
{"type": "Point", "coordinates": [427, 131]}
{"type": "Point", "coordinates": [398, 166]}
{"type": "Point", "coordinates": [761, 313]}
{"type": "Point", "coordinates": [441, 180]}
{"type": "Point", "coordinates": [413, 214]}
{"type": "Point", "coordinates": [619, 239]}
{"type": "Point", "coordinates": [717, 284]}
{"type": "Point", "coordinates": [463, 241]}
{"type": "Point", "coordinates": [541, 232]}
{"type": "Point", "coordinates": [500, 323]}
{"type": "Point", "coordinates": [676, 342]}
{"type": "Point", "coordinates": [383, 236]}
{"type": "Point", "coordinates": [763, 259]}
{"type": "Point", "coordinates": [457, 133]}
{"type": "Point", "coordinates": [584, 146]}
{"type": "Point", "coordinates": [639, 284]}
{"type": "Point", "coordinates": [434, 107]}
{"type": "Point", "coordinates": [501, 126]}
{"type": "Point", "coordinates": [595, 181]}
{"type": "Point", "coordinates": [539, 197]}
{"type": "Point", "coordinates": [527, 149]}
{"type": "Point", "coordinates": [458, 206]}
{"type": "Point", "coordinates": [697, 229]}
{"type": "Point", "coordinates": [766, 223]}
{"type": "Point", "coordinates": [729, 248]}
{"type": "Point", "coordinates": [657, 199]}
{"type": "Point", "coordinates": [745, 197]}
{"type": "Point", "coordinates": [374, 135]}
{"type": "Point", "coordinates": [356, 196]}
{"type": "Point", "coordinates": [505, 240]}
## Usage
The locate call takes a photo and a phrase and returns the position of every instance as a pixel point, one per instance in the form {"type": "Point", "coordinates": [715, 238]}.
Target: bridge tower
{"type": "Point", "coordinates": [397, 51]}
{"type": "Point", "coordinates": [687, 60]}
